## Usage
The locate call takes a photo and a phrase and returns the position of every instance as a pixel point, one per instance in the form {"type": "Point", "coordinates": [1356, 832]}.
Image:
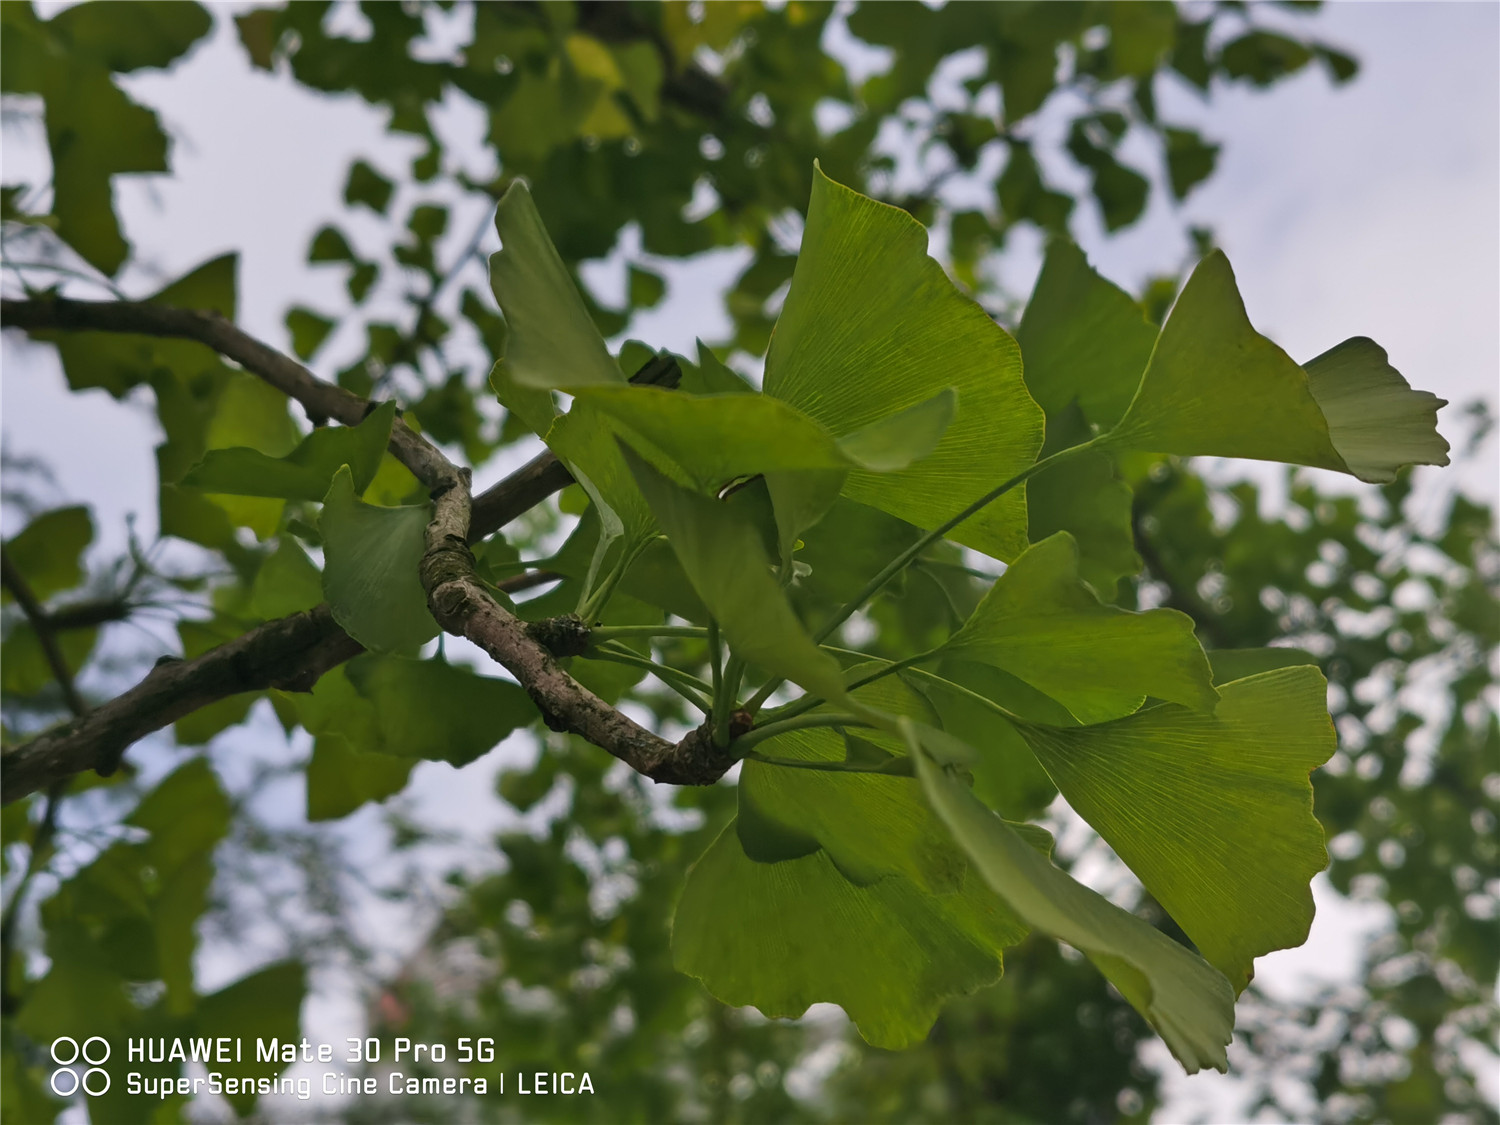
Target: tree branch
{"type": "Point", "coordinates": [463, 607]}
{"type": "Point", "coordinates": [293, 652]}
{"type": "Point", "coordinates": [319, 399]}
{"type": "Point", "coordinates": [289, 653]}
{"type": "Point", "coordinates": [523, 490]}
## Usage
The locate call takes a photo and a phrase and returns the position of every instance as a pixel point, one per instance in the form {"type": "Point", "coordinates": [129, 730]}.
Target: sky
{"type": "Point", "coordinates": [1369, 209]}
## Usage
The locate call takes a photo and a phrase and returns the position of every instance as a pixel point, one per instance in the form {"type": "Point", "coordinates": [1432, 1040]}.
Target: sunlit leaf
{"type": "Point", "coordinates": [1217, 387]}
{"type": "Point", "coordinates": [1042, 625]}
{"type": "Point", "coordinates": [1188, 1002]}
{"type": "Point", "coordinates": [1213, 812]}
{"type": "Point", "coordinates": [871, 326]}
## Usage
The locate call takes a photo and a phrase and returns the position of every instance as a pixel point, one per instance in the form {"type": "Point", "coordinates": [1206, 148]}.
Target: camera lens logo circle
{"type": "Point", "coordinates": [66, 1051]}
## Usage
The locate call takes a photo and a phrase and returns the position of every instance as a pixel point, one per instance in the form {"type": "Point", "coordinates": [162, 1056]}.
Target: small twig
{"type": "Point", "coordinates": [40, 842]}
{"type": "Point", "coordinates": [518, 582]}
{"type": "Point", "coordinates": [20, 589]}
{"type": "Point", "coordinates": [320, 399]}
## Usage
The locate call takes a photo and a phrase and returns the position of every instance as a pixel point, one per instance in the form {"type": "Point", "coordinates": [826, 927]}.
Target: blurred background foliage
{"type": "Point", "coordinates": [660, 131]}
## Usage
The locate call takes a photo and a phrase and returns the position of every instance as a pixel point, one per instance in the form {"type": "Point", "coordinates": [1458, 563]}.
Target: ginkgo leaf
{"type": "Point", "coordinates": [714, 439]}
{"type": "Point", "coordinates": [871, 325]}
{"type": "Point", "coordinates": [48, 551]}
{"type": "Point", "coordinates": [1040, 623]}
{"type": "Point", "coordinates": [340, 779]}
{"type": "Point", "coordinates": [286, 583]}
{"type": "Point", "coordinates": [1187, 1000]}
{"type": "Point", "coordinates": [784, 936]}
{"type": "Point", "coordinates": [585, 438]}
{"type": "Point", "coordinates": [1215, 386]}
{"type": "Point", "coordinates": [1007, 776]}
{"type": "Point", "coordinates": [1084, 496]}
{"type": "Point", "coordinates": [725, 560]}
{"type": "Point", "coordinates": [1377, 422]}
{"type": "Point", "coordinates": [871, 825]}
{"type": "Point", "coordinates": [534, 406]}
{"type": "Point", "coordinates": [1084, 339]}
{"type": "Point", "coordinates": [1213, 812]}
{"type": "Point", "coordinates": [305, 472]}
{"type": "Point", "coordinates": [552, 340]}
{"type": "Point", "coordinates": [370, 561]}
{"type": "Point", "coordinates": [433, 709]}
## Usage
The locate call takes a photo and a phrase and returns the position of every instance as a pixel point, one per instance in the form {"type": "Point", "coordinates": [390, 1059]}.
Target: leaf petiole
{"type": "Point", "coordinates": [823, 767]}
{"type": "Point", "coordinates": [771, 730]}
{"type": "Point", "coordinates": [901, 561]}
{"type": "Point", "coordinates": [691, 688]}
{"type": "Point", "coordinates": [619, 632]}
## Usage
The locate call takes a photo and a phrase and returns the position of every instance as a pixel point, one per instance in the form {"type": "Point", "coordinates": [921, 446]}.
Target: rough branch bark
{"type": "Point", "coordinates": [463, 607]}
{"type": "Point", "coordinates": [292, 652]}
{"type": "Point", "coordinates": [289, 653]}
{"type": "Point", "coordinates": [521, 491]}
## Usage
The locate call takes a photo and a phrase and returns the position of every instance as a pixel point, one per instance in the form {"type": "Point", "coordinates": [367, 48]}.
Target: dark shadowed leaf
{"type": "Point", "coordinates": [370, 569]}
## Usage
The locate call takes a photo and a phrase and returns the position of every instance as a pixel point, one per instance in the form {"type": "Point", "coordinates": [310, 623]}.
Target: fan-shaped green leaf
{"type": "Point", "coordinates": [341, 779]}
{"type": "Point", "coordinates": [870, 825]}
{"type": "Point", "coordinates": [552, 342]}
{"type": "Point", "coordinates": [261, 1007]}
{"type": "Point", "coordinates": [871, 326]}
{"type": "Point", "coordinates": [305, 472]}
{"type": "Point", "coordinates": [1040, 623]}
{"type": "Point", "coordinates": [1185, 998]}
{"type": "Point", "coordinates": [433, 709]}
{"type": "Point", "coordinates": [1213, 812]}
{"type": "Point", "coordinates": [967, 699]}
{"type": "Point", "coordinates": [1378, 423]}
{"type": "Point", "coordinates": [286, 583]}
{"type": "Point", "coordinates": [370, 560]}
{"type": "Point", "coordinates": [783, 936]}
{"type": "Point", "coordinates": [714, 439]}
{"type": "Point", "coordinates": [1216, 386]}
{"type": "Point", "coordinates": [48, 551]}
{"type": "Point", "coordinates": [725, 559]}
{"type": "Point", "coordinates": [1083, 339]}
